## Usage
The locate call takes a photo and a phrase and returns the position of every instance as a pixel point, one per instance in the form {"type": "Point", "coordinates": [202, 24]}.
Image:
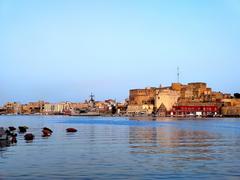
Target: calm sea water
{"type": "Point", "coordinates": [119, 148]}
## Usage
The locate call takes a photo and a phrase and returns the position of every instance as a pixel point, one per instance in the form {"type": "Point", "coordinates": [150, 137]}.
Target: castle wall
{"type": "Point", "coordinates": [142, 96]}
{"type": "Point", "coordinates": [166, 97]}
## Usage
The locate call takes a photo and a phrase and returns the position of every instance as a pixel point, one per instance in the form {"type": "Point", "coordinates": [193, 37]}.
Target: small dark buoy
{"type": "Point", "coordinates": [29, 137]}
{"type": "Point", "coordinates": [46, 132]}
{"type": "Point", "coordinates": [11, 128]}
{"type": "Point", "coordinates": [22, 129]}
{"type": "Point", "coordinates": [71, 130]}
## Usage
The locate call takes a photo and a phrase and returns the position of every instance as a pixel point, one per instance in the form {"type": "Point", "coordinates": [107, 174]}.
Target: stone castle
{"type": "Point", "coordinates": [179, 99]}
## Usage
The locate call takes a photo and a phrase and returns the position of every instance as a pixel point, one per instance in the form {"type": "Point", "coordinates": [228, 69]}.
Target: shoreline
{"type": "Point", "coordinates": [131, 117]}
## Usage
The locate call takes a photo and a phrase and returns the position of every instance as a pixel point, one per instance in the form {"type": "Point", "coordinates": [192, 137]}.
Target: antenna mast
{"type": "Point", "coordinates": [92, 97]}
{"type": "Point", "coordinates": [178, 74]}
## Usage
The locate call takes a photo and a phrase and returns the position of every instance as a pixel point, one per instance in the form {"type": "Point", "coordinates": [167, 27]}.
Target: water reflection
{"type": "Point", "coordinates": [4, 144]}
{"type": "Point", "coordinates": [3, 147]}
{"type": "Point", "coordinates": [178, 143]}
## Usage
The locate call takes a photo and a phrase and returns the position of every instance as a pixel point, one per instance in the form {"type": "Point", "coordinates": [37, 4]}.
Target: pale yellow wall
{"type": "Point", "coordinates": [166, 97]}
{"type": "Point", "coordinates": [233, 102]}
{"type": "Point", "coordinates": [148, 109]}
{"type": "Point", "coordinates": [54, 107]}
{"type": "Point", "coordinates": [231, 111]}
{"type": "Point", "coordinates": [48, 107]}
{"type": "Point", "coordinates": [58, 107]}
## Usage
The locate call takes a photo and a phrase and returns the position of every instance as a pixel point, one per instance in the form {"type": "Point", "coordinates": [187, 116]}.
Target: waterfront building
{"type": "Point", "coordinates": [26, 109]}
{"type": "Point", "coordinates": [36, 107]}
{"type": "Point", "coordinates": [102, 107]}
{"type": "Point", "coordinates": [166, 97]}
{"type": "Point", "coordinates": [48, 108]}
{"type": "Point", "coordinates": [33, 107]}
{"type": "Point", "coordinates": [141, 101]}
{"type": "Point", "coordinates": [122, 107]}
{"type": "Point", "coordinates": [195, 110]}
{"type": "Point", "coordinates": [140, 109]}
{"type": "Point", "coordinates": [195, 92]}
{"type": "Point", "coordinates": [12, 108]}
{"type": "Point", "coordinates": [231, 107]}
{"type": "Point", "coordinates": [142, 96]}
{"type": "Point", "coordinates": [55, 108]}
{"type": "Point", "coordinates": [178, 99]}
{"type": "Point", "coordinates": [59, 107]}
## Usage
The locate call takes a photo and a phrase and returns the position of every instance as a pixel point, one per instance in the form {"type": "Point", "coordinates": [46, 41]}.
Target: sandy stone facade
{"type": "Point", "coordinates": [231, 111]}
{"type": "Point", "coordinates": [142, 96]}
{"type": "Point", "coordinates": [141, 101]}
{"type": "Point", "coordinates": [166, 97]}
{"type": "Point", "coordinates": [55, 108]}
{"type": "Point", "coordinates": [140, 109]}
{"type": "Point", "coordinates": [157, 100]}
{"type": "Point", "coordinates": [12, 108]}
{"type": "Point", "coordinates": [231, 107]}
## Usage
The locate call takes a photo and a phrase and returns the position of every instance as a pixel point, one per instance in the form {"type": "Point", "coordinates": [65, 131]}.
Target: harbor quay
{"type": "Point", "coordinates": [177, 100]}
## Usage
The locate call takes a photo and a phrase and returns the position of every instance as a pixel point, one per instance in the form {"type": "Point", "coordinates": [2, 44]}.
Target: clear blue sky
{"type": "Point", "coordinates": [64, 50]}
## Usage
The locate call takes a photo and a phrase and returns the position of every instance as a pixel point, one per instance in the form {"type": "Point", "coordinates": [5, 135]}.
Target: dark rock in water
{"type": "Point", "coordinates": [8, 132]}
{"type": "Point", "coordinates": [11, 128]}
{"type": "Point", "coordinates": [71, 130]}
{"type": "Point", "coordinates": [22, 129]}
{"type": "Point", "coordinates": [46, 132]}
{"type": "Point", "coordinates": [7, 137]}
{"type": "Point", "coordinates": [29, 137]}
{"type": "Point", "coordinates": [47, 129]}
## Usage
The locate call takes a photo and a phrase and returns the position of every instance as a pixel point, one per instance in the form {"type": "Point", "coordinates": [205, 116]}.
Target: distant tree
{"type": "Point", "coordinates": [237, 95]}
